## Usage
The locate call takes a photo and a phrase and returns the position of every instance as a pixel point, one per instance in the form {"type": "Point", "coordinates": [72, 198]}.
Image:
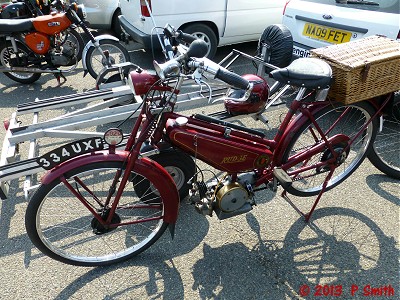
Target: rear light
{"type": "Point", "coordinates": [284, 8]}
{"type": "Point", "coordinates": [3, 6]}
{"type": "Point", "coordinates": [144, 9]}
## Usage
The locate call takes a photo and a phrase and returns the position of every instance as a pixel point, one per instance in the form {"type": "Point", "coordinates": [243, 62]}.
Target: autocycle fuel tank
{"type": "Point", "coordinates": [225, 149]}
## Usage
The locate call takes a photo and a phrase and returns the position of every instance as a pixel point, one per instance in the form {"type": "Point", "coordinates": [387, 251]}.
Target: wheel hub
{"type": "Point", "coordinates": [341, 156]}
{"type": "Point", "coordinates": [99, 228]}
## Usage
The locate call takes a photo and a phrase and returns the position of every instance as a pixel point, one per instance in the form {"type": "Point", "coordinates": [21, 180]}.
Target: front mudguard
{"type": "Point", "coordinates": [91, 44]}
{"type": "Point", "coordinates": [153, 171]}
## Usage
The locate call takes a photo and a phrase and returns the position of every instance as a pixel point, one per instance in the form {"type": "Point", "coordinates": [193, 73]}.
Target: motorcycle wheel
{"type": "Point", "coordinates": [94, 58]}
{"type": "Point", "coordinates": [22, 77]}
{"type": "Point", "coordinates": [76, 38]}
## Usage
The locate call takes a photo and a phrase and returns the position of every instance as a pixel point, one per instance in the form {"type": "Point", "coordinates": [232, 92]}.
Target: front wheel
{"type": "Point", "coordinates": [384, 154]}
{"type": "Point", "coordinates": [334, 119]}
{"type": "Point", "coordinates": [62, 227]}
{"type": "Point", "coordinates": [95, 60]}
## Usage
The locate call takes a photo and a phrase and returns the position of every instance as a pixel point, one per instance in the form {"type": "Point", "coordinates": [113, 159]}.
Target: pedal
{"type": "Point", "coordinates": [283, 177]}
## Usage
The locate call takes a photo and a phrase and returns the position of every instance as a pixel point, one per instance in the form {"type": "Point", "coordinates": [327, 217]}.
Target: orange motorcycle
{"type": "Point", "coordinates": [30, 47]}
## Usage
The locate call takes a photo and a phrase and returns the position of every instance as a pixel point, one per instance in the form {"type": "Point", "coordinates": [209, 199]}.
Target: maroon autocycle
{"type": "Point", "coordinates": [107, 205]}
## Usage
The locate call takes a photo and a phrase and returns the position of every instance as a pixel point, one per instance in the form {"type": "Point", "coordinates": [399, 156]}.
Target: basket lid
{"type": "Point", "coordinates": [360, 52]}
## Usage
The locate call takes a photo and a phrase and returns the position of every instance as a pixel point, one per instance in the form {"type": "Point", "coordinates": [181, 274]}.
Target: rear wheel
{"type": "Point", "coordinates": [348, 120]}
{"type": "Point", "coordinates": [384, 154]}
{"type": "Point", "coordinates": [7, 54]}
{"type": "Point", "coordinates": [95, 61]}
{"type": "Point", "coordinates": [63, 228]}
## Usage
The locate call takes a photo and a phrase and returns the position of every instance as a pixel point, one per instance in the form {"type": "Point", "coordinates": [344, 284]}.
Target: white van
{"type": "Point", "coordinates": [320, 23]}
{"type": "Point", "coordinates": [217, 22]}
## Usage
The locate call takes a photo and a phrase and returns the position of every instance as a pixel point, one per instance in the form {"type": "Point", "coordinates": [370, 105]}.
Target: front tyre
{"type": "Point", "coordinates": [95, 61]}
{"type": "Point", "coordinates": [63, 228]}
{"type": "Point", "coordinates": [337, 119]}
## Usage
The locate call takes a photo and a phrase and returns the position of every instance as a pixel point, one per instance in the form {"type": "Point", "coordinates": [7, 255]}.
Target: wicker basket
{"type": "Point", "coordinates": [362, 69]}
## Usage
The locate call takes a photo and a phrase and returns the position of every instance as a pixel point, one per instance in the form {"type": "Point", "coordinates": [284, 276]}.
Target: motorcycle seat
{"type": "Point", "coordinates": [11, 25]}
{"type": "Point", "coordinates": [306, 72]}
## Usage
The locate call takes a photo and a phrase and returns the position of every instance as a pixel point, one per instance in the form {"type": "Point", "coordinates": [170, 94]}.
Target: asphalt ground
{"type": "Point", "coordinates": [350, 246]}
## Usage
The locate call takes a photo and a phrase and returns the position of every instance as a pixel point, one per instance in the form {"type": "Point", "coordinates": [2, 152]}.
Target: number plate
{"type": "Point", "coordinates": [66, 152]}
{"type": "Point", "coordinates": [327, 34]}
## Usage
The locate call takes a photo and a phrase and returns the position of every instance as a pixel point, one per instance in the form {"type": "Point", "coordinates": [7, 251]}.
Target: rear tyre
{"type": "Point", "coordinates": [60, 226]}
{"type": "Point", "coordinates": [205, 33]}
{"type": "Point", "coordinates": [7, 53]}
{"type": "Point", "coordinates": [95, 61]}
{"type": "Point", "coordinates": [354, 116]}
{"type": "Point", "coordinates": [384, 154]}
{"type": "Point", "coordinates": [279, 46]}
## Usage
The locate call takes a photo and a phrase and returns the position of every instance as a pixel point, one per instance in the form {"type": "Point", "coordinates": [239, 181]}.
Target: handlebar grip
{"type": "Point", "coordinates": [232, 79]}
{"type": "Point", "coordinates": [185, 37]}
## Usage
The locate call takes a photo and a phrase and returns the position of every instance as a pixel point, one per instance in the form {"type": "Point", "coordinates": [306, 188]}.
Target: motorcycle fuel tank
{"type": "Point", "coordinates": [218, 146]}
{"type": "Point", "coordinates": [51, 24]}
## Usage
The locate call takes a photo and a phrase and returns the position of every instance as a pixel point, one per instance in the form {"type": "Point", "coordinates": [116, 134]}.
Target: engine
{"type": "Point", "coordinates": [64, 55]}
{"type": "Point", "coordinates": [228, 198]}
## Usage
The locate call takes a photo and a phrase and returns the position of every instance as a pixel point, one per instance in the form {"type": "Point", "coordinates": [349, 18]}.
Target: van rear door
{"type": "Point", "coordinates": [248, 18]}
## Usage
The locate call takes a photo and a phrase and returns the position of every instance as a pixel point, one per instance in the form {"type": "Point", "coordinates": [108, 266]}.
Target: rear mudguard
{"type": "Point", "coordinates": [154, 172]}
{"type": "Point", "coordinates": [91, 44]}
{"type": "Point", "coordinates": [293, 127]}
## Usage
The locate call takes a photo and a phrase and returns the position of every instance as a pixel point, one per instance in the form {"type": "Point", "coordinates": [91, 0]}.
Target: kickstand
{"type": "Point", "coordinates": [307, 216]}
{"type": "Point", "coordinates": [60, 76]}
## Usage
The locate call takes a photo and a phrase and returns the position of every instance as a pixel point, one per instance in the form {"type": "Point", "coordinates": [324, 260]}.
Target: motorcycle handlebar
{"type": "Point", "coordinates": [221, 73]}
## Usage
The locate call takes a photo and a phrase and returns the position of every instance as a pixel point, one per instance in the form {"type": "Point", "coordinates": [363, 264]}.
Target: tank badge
{"type": "Point", "coordinates": [234, 159]}
{"type": "Point", "coordinates": [262, 161]}
{"type": "Point", "coordinates": [53, 24]}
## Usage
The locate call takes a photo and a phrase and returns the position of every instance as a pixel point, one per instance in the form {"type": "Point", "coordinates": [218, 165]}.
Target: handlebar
{"type": "Point", "coordinates": [232, 79]}
{"type": "Point", "coordinates": [194, 59]}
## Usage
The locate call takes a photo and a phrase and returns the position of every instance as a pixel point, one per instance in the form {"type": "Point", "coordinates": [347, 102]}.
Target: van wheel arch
{"type": "Point", "coordinates": [115, 26]}
{"type": "Point", "coordinates": [206, 30]}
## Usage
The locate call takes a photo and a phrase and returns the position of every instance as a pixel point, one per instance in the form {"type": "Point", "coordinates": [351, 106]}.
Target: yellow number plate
{"type": "Point", "coordinates": [327, 34]}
